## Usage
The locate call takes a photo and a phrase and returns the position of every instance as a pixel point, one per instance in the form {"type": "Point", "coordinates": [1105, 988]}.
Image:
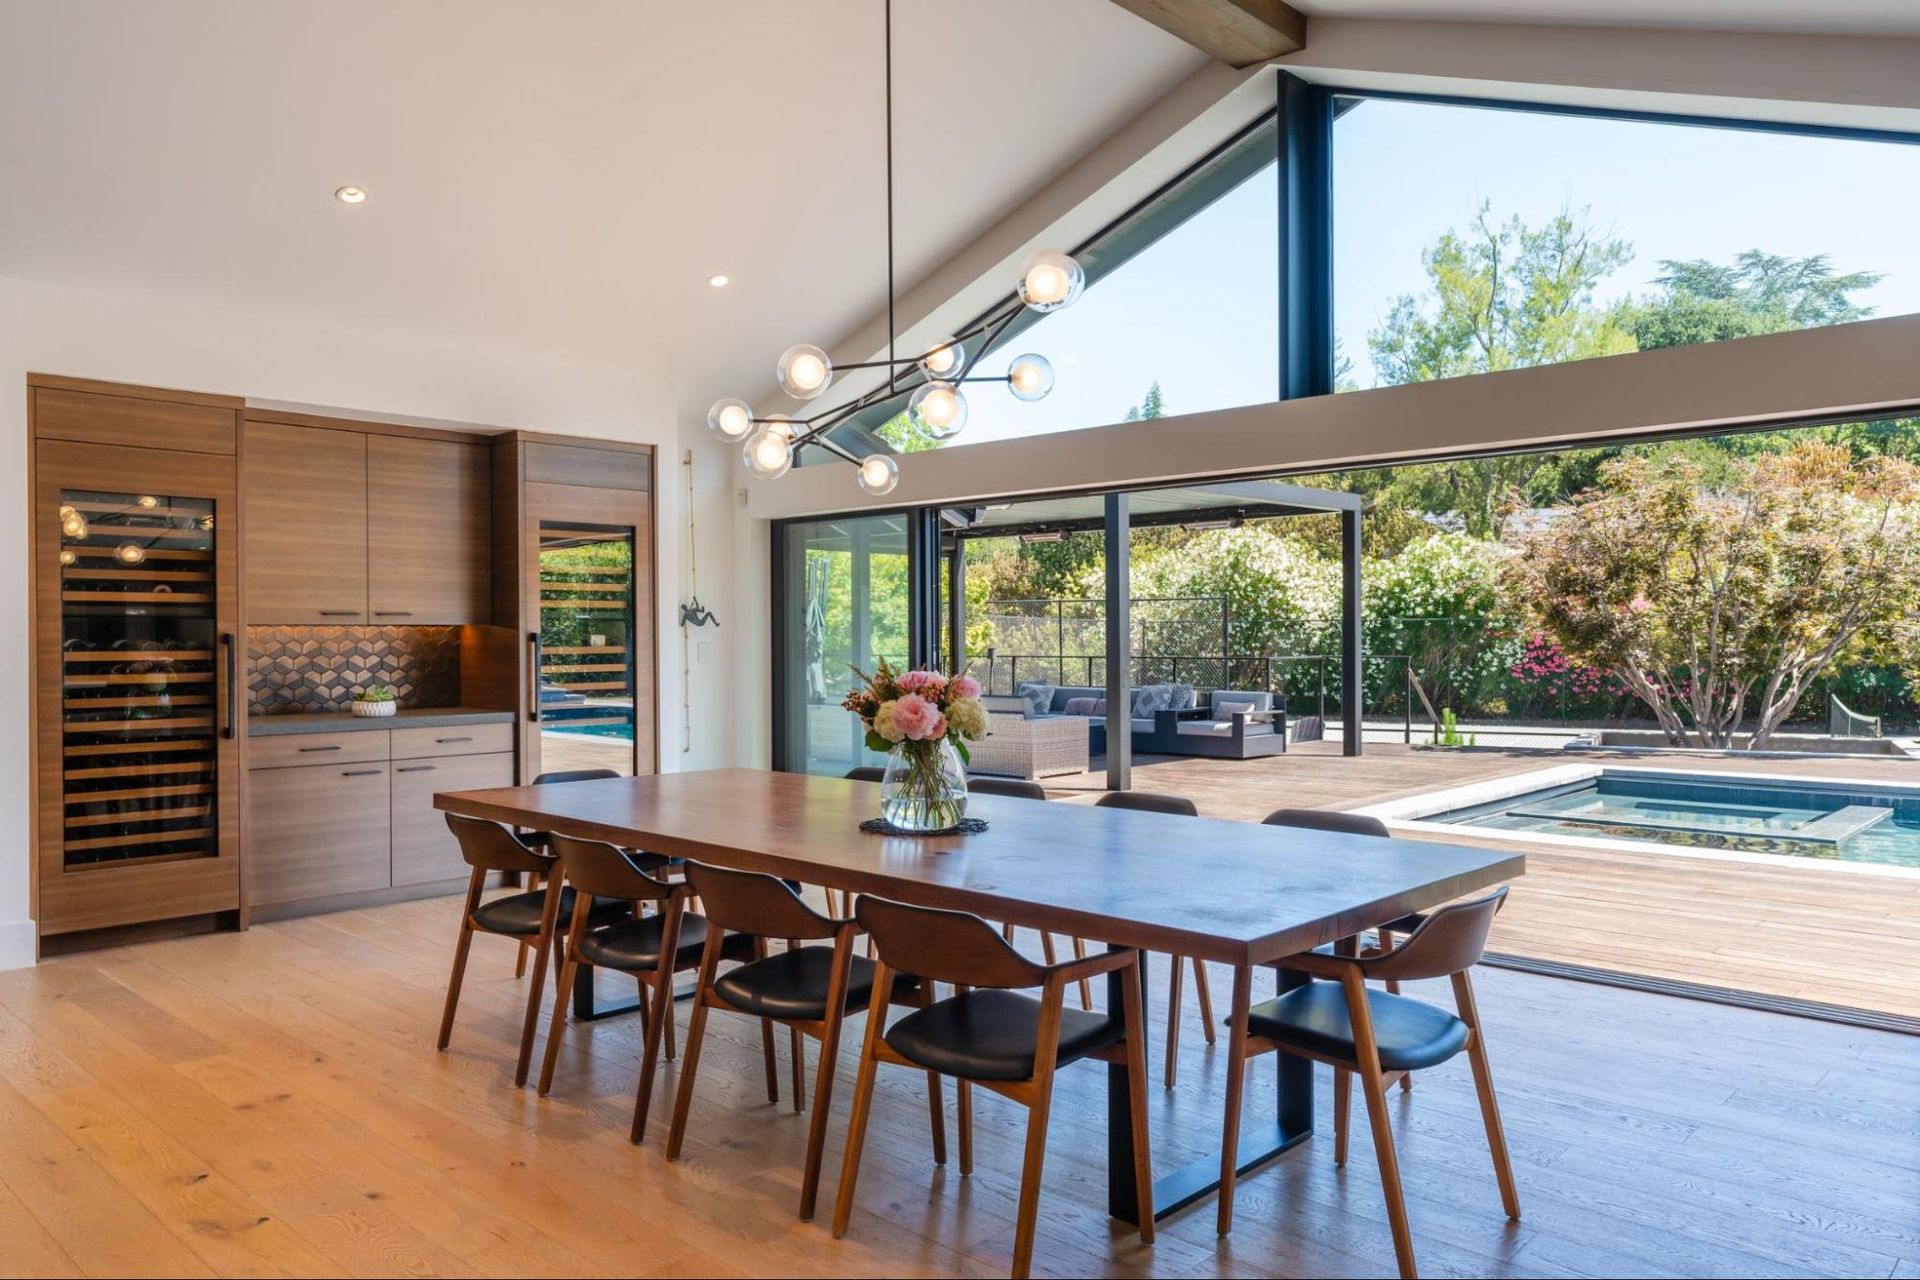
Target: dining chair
{"type": "Point", "coordinates": [538, 840]}
{"type": "Point", "coordinates": [649, 948]}
{"type": "Point", "coordinates": [1021, 789]}
{"type": "Point", "coordinates": [490, 848]}
{"type": "Point", "coordinates": [990, 1034]}
{"type": "Point", "coordinates": [1353, 824]}
{"type": "Point", "coordinates": [866, 773]}
{"type": "Point", "coordinates": [808, 989]}
{"type": "Point", "coordinates": [1380, 1037]}
{"type": "Point", "coordinates": [1156, 802]}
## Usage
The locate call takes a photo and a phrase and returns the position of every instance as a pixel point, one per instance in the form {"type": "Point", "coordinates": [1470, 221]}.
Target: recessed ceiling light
{"type": "Point", "coordinates": [720, 280]}
{"type": "Point", "coordinates": [351, 195]}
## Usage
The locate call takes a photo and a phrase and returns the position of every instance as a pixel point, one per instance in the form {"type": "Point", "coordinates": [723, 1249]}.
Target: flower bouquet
{"type": "Point", "coordinates": [922, 720]}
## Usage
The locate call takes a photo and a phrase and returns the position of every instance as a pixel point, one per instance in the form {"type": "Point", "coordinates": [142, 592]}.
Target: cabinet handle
{"type": "Point", "coordinates": [339, 613]}
{"type": "Point", "coordinates": [392, 613]}
{"type": "Point", "coordinates": [453, 739]}
{"type": "Point", "coordinates": [533, 700]}
{"type": "Point", "coordinates": [418, 768]}
{"type": "Point", "coordinates": [305, 750]}
{"type": "Point", "coordinates": [233, 685]}
{"type": "Point", "coordinates": [361, 773]}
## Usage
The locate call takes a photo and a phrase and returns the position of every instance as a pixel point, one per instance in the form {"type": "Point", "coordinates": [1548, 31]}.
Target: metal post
{"type": "Point", "coordinates": [957, 605]}
{"type": "Point", "coordinates": [1118, 530]}
{"type": "Point", "coordinates": [1352, 694]}
{"type": "Point", "coordinates": [1406, 688]}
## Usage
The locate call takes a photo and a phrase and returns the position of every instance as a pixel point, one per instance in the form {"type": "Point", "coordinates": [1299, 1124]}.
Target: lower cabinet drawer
{"type": "Point", "coordinates": [424, 849]}
{"type": "Point", "coordinates": [317, 831]}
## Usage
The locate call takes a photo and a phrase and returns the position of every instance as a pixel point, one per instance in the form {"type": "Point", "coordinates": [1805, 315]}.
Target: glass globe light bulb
{"type": "Point", "coordinates": [768, 454]}
{"type": "Point", "coordinates": [74, 525]}
{"type": "Point", "coordinates": [1030, 377]}
{"type": "Point", "coordinates": [781, 425]}
{"type": "Point", "coordinates": [1050, 281]}
{"type": "Point", "coordinates": [730, 419]}
{"type": "Point", "coordinates": [878, 473]}
{"type": "Point", "coordinates": [130, 553]}
{"type": "Point", "coordinates": [146, 502]}
{"type": "Point", "coordinates": [940, 408]}
{"type": "Point", "coordinates": [67, 556]}
{"type": "Point", "coordinates": [804, 371]}
{"type": "Point", "coordinates": [944, 357]}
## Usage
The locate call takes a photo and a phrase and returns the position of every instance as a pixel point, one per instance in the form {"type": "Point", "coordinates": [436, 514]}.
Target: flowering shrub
{"type": "Point", "coordinates": [1544, 679]}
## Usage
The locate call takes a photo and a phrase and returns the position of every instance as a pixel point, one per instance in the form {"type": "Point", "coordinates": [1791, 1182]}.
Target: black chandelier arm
{"type": "Point", "coordinates": [998, 330]}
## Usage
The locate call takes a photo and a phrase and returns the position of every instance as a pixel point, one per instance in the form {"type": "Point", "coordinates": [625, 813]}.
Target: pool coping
{"type": "Point", "coordinates": [1407, 814]}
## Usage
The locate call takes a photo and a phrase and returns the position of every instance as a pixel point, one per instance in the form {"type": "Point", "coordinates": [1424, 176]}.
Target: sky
{"type": "Point", "coordinates": [1196, 312]}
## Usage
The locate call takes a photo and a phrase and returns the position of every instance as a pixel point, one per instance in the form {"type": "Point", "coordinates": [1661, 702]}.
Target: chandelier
{"type": "Point", "coordinates": [937, 404]}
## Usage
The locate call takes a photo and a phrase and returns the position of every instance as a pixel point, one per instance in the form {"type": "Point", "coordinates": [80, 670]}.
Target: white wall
{"type": "Point", "coordinates": [201, 346]}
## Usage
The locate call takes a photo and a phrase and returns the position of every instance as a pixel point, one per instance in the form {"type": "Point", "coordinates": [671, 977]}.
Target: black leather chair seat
{"type": "Point", "coordinates": [520, 913]}
{"type": "Point", "coordinates": [793, 984]}
{"type": "Point", "coordinates": [1412, 1034]}
{"type": "Point", "coordinates": [635, 944]}
{"type": "Point", "coordinates": [990, 1035]}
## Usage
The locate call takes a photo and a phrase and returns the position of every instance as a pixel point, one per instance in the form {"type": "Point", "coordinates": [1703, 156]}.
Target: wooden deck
{"type": "Point", "coordinates": [1799, 929]}
{"type": "Point", "coordinates": [270, 1102]}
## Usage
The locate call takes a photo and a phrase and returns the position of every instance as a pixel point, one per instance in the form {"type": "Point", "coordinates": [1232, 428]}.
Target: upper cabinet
{"type": "Point", "coordinates": [429, 520]}
{"type": "Point", "coordinates": [305, 491]}
{"type": "Point", "coordinates": [353, 528]}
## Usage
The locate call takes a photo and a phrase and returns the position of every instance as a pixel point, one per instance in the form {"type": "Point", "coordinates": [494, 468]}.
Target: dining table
{"type": "Point", "coordinates": [1238, 894]}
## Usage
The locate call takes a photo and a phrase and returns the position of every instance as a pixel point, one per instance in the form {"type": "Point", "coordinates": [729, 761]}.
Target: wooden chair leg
{"type": "Point", "coordinates": [1342, 1108]}
{"type": "Point", "coordinates": [964, 1090]}
{"type": "Point", "coordinates": [549, 942]}
{"type": "Point", "coordinates": [862, 1104]}
{"type": "Point", "coordinates": [937, 1113]}
{"type": "Point", "coordinates": [1086, 984]}
{"type": "Point", "coordinates": [1489, 1104]}
{"type": "Point", "coordinates": [1134, 1018]}
{"type": "Point", "coordinates": [696, 1036]}
{"type": "Point", "coordinates": [799, 1066]}
{"type": "Point", "coordinates": [1204, 994]}
{"type": "Point", "coordinates": [556, 1027]}
{"type": "Point", "coordinates": [1038, 1113]}
{"type": "Point", "coordinates": [1046, 948]}
{"type": "Point", "coordinates": [824, 1073]}
{"type": "Point", "coordinates": [520, 962]}
{"type": "Point", "coordinates": [766, 1054]}
{"type": "Point", "coordinates": [1373, 1085]}
{"type": "Point", "coordinates": [1236, 1091]}
{"type": "Point", "coordinates": [662, 994]}
{"type": "Point", "coordinates": [460, 950]}
{"type": "Point", "coordinates": [1173, 1024]}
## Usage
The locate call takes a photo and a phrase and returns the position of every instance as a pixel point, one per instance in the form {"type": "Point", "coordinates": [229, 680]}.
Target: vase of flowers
{"type": "Point", "coordinates": [922, 720]}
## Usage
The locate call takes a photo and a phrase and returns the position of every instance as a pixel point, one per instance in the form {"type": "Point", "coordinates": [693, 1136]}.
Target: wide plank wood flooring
{"type": "Point", "coordinates": [1798, 929]}
{"type": "Point", "coordinates": [271, 1103]}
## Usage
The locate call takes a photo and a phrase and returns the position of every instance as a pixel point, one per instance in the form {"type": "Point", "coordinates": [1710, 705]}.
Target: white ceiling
{"type": "Point", "coordinates": [1816, 17]}
{"type": "Point", "coordinates": [557, 179]}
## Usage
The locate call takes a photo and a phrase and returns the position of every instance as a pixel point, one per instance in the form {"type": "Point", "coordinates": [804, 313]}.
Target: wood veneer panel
{"type": "Point", "coordinates": [588, 466]}
{"type": "Point", "coordinates": [429, 530]}
{"type": "Point", "coordinates": [97, 418]}
{"type": "Point", "coordinates": [317, 831]}
{"type": "Point", "coordinates": [306, 492]}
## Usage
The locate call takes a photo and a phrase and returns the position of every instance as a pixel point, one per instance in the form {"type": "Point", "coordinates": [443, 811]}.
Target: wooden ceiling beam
{"type": "Point", "coordinates": [1239, 33]}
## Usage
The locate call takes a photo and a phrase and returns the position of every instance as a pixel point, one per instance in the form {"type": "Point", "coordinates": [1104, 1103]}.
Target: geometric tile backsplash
{"type": "Point", "coordinates": [307, 669]}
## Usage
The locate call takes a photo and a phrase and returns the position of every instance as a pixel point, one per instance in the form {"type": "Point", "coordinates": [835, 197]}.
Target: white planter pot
{"type": "Point", "coordinates": [375, 709]}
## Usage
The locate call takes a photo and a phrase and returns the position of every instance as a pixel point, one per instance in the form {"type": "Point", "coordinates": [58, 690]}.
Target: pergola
{"type": "Point", "coordinates": [1115, 515]}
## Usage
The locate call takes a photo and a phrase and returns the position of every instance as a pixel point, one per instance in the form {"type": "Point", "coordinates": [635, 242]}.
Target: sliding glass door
{"type": "Point", "coordinates": [842, 599]}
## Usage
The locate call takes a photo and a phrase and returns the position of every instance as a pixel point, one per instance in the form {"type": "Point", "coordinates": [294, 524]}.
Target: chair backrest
{"type": "Point", "coordinates": [944, 946]}
{"type": "Point", "coordinates": [866, 773]}
{"type": "Point", "coordinates": [492, 847]}
{"type": "Point", "coordinates": [1015, 787]}
{"type": "Point", "coordinates": [761, 905]}
{"type": "Point", "coordinates": [1149, 802]}
{"type": "Point", "coordinates": [607, 872]}
{"type": "Point", "coordinates": [1451, 941]}
{"type": "Point", "coordinates": [1353, 824]}
{"type": "Point", "coordinates": [575, 775]}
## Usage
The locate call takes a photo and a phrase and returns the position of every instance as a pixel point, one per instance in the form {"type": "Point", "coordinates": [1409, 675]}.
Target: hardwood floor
{"type": "Point", "coordinates": [1798, 929]}
{"type": "Point", "coordinates": [271, 1103]}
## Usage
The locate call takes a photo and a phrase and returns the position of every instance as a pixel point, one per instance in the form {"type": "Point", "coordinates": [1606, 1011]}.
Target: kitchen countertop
{"type": "Point", "coordinates": [405, 718]}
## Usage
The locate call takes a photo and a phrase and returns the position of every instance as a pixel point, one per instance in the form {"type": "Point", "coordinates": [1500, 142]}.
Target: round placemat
{"type": "Point", "coordinates": [965, 827]}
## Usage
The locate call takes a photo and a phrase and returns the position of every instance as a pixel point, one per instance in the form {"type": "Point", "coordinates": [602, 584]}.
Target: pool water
{"type": "Point", "coordinates": [621, 731]}
{"type": "Point", "coordinates": [1837, 822]}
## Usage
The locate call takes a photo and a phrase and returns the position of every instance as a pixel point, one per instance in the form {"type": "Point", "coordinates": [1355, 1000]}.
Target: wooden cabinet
{"type": "Point", "coordinates": [350, 528]}
{"type": "Point", "coordinates": [424, 849]}
{"type": "Point", "coordinates": [318, 831]}
{"type": "Point", "coordinates": [306, 496]}
{"type": "Point", "coordinates": [428, 530]}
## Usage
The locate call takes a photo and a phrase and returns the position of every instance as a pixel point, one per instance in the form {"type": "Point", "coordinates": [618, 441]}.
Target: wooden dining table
{"type": "Point", "coordinates": [1234, 893]}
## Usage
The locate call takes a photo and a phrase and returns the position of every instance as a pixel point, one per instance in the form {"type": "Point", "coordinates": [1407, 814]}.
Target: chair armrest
{"type": "Point", "coordinates": [1092, 966]}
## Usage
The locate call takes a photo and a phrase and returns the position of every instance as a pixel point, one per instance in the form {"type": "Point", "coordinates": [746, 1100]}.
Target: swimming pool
{"type": "Point", "coordinates": [1796, 818]}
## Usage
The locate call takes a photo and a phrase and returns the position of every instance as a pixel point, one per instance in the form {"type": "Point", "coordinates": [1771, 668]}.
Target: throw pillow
{"type": "Point", "coordinates": [1182, 698]}
{"type": "Point", "coordinates": [1086, 706]}
{"type": "Point", "coordinates": [1228, 710]}
{"type": "Point", "coordinates": [1039, 696]}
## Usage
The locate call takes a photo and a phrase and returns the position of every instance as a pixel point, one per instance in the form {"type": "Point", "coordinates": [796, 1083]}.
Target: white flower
{"type": "Point", "coordinates": [884, 726]}
{"type": "Point", "coordinates": [967, 717]}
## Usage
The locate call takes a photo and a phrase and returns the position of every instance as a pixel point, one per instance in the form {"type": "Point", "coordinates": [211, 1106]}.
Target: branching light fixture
{"type": "Point", "coordinates": [936, 403]}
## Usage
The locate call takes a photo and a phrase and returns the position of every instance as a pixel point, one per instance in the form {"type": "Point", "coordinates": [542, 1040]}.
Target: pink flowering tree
{"type": "Point", "coordinates": [1718, 607]}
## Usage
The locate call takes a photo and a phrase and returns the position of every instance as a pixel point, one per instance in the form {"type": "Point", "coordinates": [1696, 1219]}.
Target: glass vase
{"type": "Point", "coordinates": [925, 786]}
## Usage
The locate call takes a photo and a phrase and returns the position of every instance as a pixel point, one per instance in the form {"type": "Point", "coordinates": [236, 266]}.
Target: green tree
{"type": "Point", "coordinates": [1756, 293]}
{"type": "Point", "coordinates": [1706, 601]}
{"type": "Point", "coordinates": [1154, 406]}
{"type": "Point", "coordinates": [906, 435]}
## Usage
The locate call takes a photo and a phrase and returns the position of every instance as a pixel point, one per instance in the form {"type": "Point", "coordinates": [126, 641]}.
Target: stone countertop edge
{"type": "Point", "coordinates": [405, 718]}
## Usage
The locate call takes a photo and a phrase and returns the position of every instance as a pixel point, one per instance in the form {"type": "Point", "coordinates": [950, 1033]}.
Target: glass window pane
{"type": "Point", "coordinates": [586, 647]}
{"type": "Point", "coordinates": [1472, 238]}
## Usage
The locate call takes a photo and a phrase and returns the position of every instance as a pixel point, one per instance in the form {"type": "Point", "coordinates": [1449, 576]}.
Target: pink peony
{"type": "Point", "coordinates": [914, 681]}
{"type": "Point", "coordinates": [917, 719]}
{"type": "Point", "coordinates": [966, 687]}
